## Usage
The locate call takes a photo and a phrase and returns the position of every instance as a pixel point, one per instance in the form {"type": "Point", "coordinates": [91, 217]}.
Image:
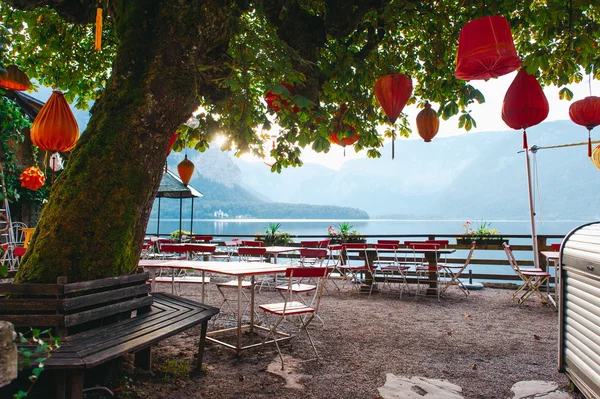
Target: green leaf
{"type": "Point", "coordinates": [565, 94]}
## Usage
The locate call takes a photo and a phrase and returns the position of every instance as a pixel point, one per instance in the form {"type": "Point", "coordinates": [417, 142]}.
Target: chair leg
{"type": "Point", "coordinates": [274, 335]}
{"type": "Point", "coordinates": [305, 328]}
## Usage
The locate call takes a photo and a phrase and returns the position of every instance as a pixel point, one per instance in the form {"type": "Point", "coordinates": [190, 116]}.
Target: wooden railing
{"type": "Point", "coordinates": [487, 259]}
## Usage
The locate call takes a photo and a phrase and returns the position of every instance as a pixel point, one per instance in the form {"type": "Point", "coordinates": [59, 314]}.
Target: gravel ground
{"type": "Point", "coordinates": [484, 343]}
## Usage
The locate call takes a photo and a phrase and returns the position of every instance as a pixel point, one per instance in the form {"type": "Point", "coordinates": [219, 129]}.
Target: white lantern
{"type": "Point", "coordinates": [56, 163]}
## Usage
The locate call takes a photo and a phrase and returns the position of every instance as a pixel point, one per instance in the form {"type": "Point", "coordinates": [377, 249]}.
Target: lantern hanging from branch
{"type": "Point", "coordinates": [55, 128]}
{"type": "Point", "coordinates": [185, 170]}
{"type": "Point", "coordinates": [392, 92]}
{"type": "Point", "coordinates": [525, 104]}
{"type": "Point", "coordinates": [14, 79]}
{"type": "Point", "coordinates": [276, 103]}
{"type": "Point", "coordinates": [342, 133]}
{"type": "Point", "coordinates": [98, 35]}
{"type": "Point", "coordinates": [486, 49]}
{"type": "Point", "coordinates": [596, 157]}
{"type": "Point", "coordinates": [586, 113]}
{"type": "Point", "coordinates": [32, 178]}
{"type": "Point", "coordinates": [428, 123]}
{"type": "Point", "coordinates": [268, 159]}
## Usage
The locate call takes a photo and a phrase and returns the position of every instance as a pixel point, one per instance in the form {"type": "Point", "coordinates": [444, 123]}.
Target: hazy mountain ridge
{"type": "Point", "coordinates": [471, 176]}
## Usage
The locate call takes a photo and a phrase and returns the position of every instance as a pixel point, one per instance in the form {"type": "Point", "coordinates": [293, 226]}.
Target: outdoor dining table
{"type": "Point", "coordinates": [276, 250]}
{"type": "Point", "coordinates": [236, 269]}
{"type": "Point", "coordinates": [554, 257]}
{"type": "Point", "coordinates": [431, 256]}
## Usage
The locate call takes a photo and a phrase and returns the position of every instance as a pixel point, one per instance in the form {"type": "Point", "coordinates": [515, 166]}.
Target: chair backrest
{"type": "Point", "coordinates": [313, 256]}
{"type": "Point", "coordinates": [202, 238]}
{"type": "Point", "coordinates": [19, 251]}
{"type": "Point", "coordinates": [253, 243]}
{"type": "Point", "coordinates": [396, 242]}
{"type": "Point", "coordinates": [425, 245]}
{"type": "Point", "coordinates": [18, 233]}
{"type": "Point", "coordinates": [200, 248]}
{"type": "Point", "coordinates": [306, 272]}
{"type": "Point", "coordinates": [335, 247]}
{"type": "Point", "coordinates": [385, 246]}
{"type": "Point", "coordinates": [469, 257]}
{"type": "Point", "coordinates": [173, 248]}
{"type": "Point", "coordinates": [324, 243]}
{"type": "Point", "coordinates": [511, 259]}
{"type": "Point", "coordinates": [354, 245]}
{"type": "Point", "coordinates": [555, 247]}
{"type": "Point", "coordinates": [409, 243]}
{"type": "Point", "coordinates": [252, 251]}
{"type": "Point", "coordinates": [309, 244]}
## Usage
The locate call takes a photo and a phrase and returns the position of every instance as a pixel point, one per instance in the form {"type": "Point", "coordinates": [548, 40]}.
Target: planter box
{"type": "Point", "coordinates": [482, 242]}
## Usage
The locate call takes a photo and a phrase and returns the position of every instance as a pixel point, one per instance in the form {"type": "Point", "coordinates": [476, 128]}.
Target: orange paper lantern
{"type": "Point", "coordinates": [339, 126]}
{"type": "Point", "coordinates": [486, 49]}
{"type": "Point", "coordinates": [393, 91]}
{"type": "Point", "coordinates": [55, 128]}
{"type": "Point", "coordinates": [14, 79]}
{"type": "Point", "coordinates": [428, 123]}
{"type": "Point", "coordinates": [32, 178]}
{"type": "Point", "coordinates": [276, 103]}
{"type": "Point", "coordinates": [185, 170]}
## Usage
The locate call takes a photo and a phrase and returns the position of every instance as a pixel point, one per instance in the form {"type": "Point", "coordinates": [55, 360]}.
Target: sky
{"type": "Point", "coordinates": [487, 116]}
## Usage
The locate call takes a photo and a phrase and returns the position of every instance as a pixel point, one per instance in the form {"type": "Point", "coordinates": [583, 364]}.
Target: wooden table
{"type": "Point", "coordinates": [431, 256]}
{"type": "Point", "coordinates": [236, 269]}
{"type": "Point", "coordinates": [554, 257]}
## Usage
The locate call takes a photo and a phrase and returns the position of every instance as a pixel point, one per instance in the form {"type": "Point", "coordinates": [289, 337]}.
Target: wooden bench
{"type": "Point", "coordinates": [100, 320]}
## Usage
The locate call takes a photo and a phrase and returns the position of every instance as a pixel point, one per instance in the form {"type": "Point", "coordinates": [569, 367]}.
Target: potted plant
{"type": "Point", "coordinates": [483, 234]}
{"type": "Point", "coordinates": [273, 236]}
{"type": "Point", "coordinates": [345, 232]}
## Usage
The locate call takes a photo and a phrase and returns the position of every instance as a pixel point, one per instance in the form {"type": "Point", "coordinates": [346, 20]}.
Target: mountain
{"type": "Point", "coordinates": [471, 176]}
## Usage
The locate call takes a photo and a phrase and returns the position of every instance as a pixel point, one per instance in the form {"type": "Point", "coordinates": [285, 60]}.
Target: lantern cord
{"type": "Point", "coordinates": [563, 145]}
{"type": "Point", "coordinates": [52, 167]}
{"type": "Point", "coordinates": [589, 144]}
{"type": "Point", "coordinates": [392, 147]}
{"type": "Point", "coordinates": [525, 146]}
{"type": "Point", "coordinates": [536, 189]}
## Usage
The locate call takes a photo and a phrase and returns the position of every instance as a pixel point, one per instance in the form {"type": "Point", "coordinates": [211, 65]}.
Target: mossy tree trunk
{"type": "Point", "coordinates": [94, 224]}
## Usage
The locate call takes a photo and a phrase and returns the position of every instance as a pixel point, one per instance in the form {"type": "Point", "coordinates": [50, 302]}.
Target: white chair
{"type": "Point", "coordinates": [533, 278]}
{"type": "Point", "coordinates": [388, 265]}
{"type": "Point", "coordinates": [454, 272]}
{"type": "Point", "coordinates": [291, 308]}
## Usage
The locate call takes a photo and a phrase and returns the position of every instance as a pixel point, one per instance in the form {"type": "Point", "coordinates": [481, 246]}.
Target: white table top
{"type": "Point", "coordinates": [229, 268]}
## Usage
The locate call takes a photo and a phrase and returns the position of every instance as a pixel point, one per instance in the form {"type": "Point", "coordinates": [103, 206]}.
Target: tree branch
{"type": "Point", "coordinates": [75, 11]}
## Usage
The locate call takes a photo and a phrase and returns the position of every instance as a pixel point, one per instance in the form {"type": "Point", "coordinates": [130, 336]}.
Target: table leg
{"type": "Point", "coordinates": [251, 303]}
{"type": "Point", "coordinates": [433, 272]}
{"type": "Point", "coordinates": [203, 284]}
{"type": "Point", "coordinates": [239, 316]}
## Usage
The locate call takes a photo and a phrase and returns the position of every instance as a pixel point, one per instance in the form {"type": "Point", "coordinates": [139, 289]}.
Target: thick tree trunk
{"type": "Point", "coordinates": [95, 221]}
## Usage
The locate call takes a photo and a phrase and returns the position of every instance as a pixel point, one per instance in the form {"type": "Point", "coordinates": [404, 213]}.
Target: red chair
{"type": "Point", "coordinates": [309, 244]}
{"type": "Point", "coordinates": [252, 243]}
{"type": "Point", "coordinates": [454, 272]}
{"type": "Point", "coordinates": [324, 243]}
{"type": "Point", "coordinates": [202, 238]}
{"type": "Point", "coordinates": [388, 265]}
{"type": "Point", "coordinates": [290, 308]}
{"type": "Point", "coordinates": [423, 269]}
{"type": "Point", "coordinates": [393, 242]}
{"type": "Point", "coordinates": [555, 247]}
{"type": "Point", "coordinates": [199, 251]}
{"type": "Point", "coordinates": [174, 251]}
{"type": "Point", "coordinates": [252, 254]}
{"type": "Point", "coordinates": [312, 257]}
{"type": "Point", "coordinates": [334, 261]}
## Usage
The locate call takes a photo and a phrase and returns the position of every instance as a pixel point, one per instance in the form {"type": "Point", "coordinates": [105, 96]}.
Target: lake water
{"type": "Point", "coordinates": [299, 227]}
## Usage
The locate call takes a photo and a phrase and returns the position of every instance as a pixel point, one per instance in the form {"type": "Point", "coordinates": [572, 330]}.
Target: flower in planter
{"type": "Point", "coordinates": [483, 231]}
{"type": "Point", "coordinates": [344, 233]}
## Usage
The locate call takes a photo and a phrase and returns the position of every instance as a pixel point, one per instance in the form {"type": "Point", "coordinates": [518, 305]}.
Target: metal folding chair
{"type": "Point", "coordinates": [388, 265]}
{"type": "Point", "coordinates": [533, 279]}
{"type": "Point", "coordinates": [291, 308]}
{"type": "Point", "coordinates": [454, 271]}
{"type": "Point", "coordinates": [356, 270]}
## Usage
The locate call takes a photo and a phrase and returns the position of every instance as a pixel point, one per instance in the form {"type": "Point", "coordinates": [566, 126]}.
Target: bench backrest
{"type": "Point", "coordinates": [76, 307]}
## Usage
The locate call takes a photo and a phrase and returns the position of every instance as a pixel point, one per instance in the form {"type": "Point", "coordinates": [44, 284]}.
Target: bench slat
{"type": "Point", "coordinates": [31, 289]}
{"type": "Point", "coordinates": [107, 296]}
{"type": "Point", "coordinates": [31, 305]}
{"type": "Point", "coordinates": [105, 283]}
{"type": "Point", "coordinates": [22, 320]}
{"type": "Point", "coordinates": [109, 310]}
{"type": "Point", "coordinates": [170, 315]}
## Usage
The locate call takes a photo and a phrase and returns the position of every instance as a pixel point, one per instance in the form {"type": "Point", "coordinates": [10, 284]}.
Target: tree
{"type": "Point", "coordinates": [163, 59]}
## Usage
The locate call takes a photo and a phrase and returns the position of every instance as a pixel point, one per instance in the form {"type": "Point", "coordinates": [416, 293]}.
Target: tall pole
{"type": "Point", "coordinates": [531, 207]}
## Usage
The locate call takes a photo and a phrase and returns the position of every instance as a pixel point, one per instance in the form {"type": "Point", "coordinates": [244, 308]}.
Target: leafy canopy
{"type": "Point", "coordinates": [331, 51]}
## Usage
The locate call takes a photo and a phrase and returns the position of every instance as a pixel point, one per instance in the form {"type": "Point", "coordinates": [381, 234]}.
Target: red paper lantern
{"type": "Point", "coordinates": [525, 103]}
{"type": "Point", "coordinates": [486, 49]}
{"type": "Point", "coordinates": [185, 170]}
{"type": "Point", "coordinates": [14, 79]}
{"type": "Point", "coordinates": [55, 128]}
{"type": "Point", "coordinates": [393, 91]}
{"type": "Point", "coordinates": [339, 126]}
{"type": "Point", "coordinates": [586, 113]}
{"type": "Point", "coordinates": [428, 123]}
{"type": "Point", "coordinates": [276, 103]}
{"type": "Point", "coordinates": [171, 142]}
{"type": "Point", "coordinates": [32, 178]}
